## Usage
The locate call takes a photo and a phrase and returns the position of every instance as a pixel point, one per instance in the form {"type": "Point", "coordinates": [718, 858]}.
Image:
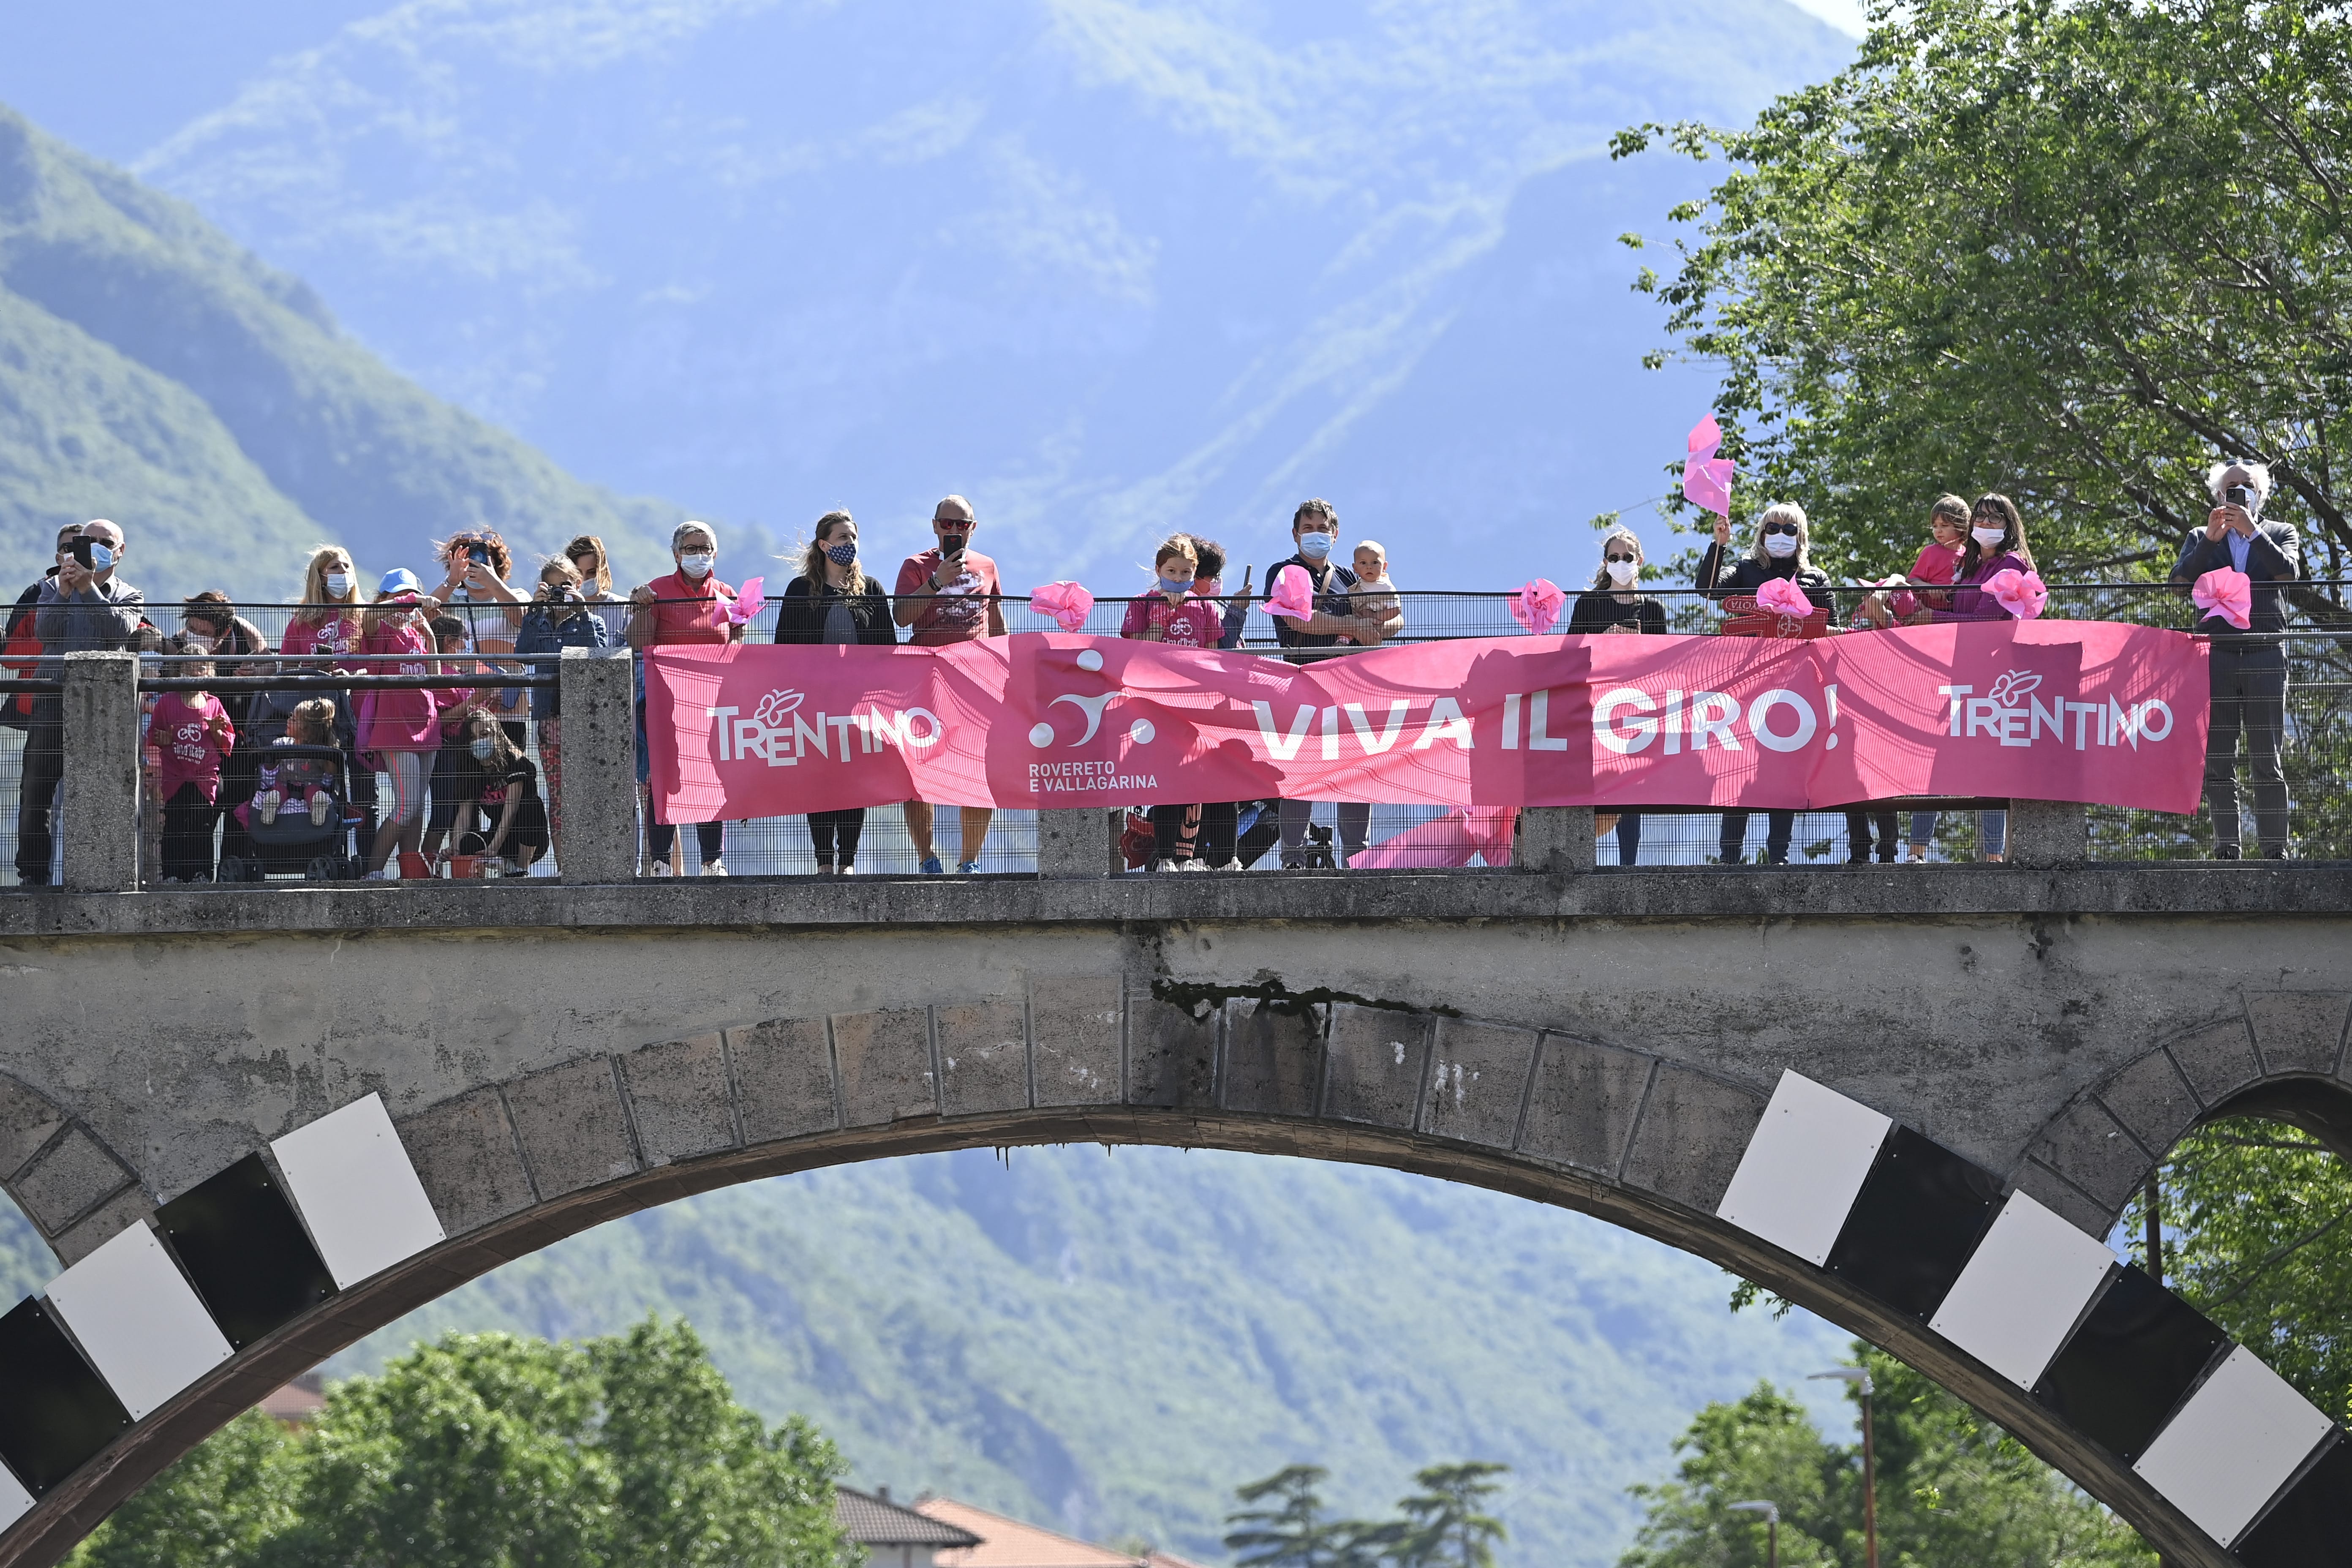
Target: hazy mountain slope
{"type": "Point", "coordinates": [87, 433]}
{"type": "Point", "coordinates": [1109, 266]}
{"type": "Point", "coordinates": [1111, 1342]}
{"type": "Point", "coordinates": [371, 458]}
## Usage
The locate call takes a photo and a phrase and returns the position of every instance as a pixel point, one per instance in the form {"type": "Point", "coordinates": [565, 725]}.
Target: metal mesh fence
{"type": "Point", "coordinates": [2316, 752]}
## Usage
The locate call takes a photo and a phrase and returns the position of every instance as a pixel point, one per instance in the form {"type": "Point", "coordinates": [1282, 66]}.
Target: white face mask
{"type": "Point", "coordinates": [1622, 572]}
{"type": "Point", "coordinates": [1989, 538]}
{"type": "Point", "coordinates": [1780, 544]}
{"type": "Point", "coordinates": [339, 583]}
{"type": "Point", "coordinates": [697, 563]}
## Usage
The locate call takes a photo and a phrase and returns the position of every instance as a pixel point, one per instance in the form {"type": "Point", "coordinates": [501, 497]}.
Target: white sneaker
{"type": "Point", "coordinates": [716, 869]}
{"type": "Point", "coordinates": [845, 871]}
{"type": "Point", "coordinates": [383, 874]}
{"type": "Point", "coordinates": [1165, 863]}
{"type": "Point", "coordinates": [320, 803]}
{"type": "Point", "coordinates": [661, 870]}
{"type": "Point", "coordinates": [270, 800]}
{"type": "Point", "coordinates": [1193, 866]}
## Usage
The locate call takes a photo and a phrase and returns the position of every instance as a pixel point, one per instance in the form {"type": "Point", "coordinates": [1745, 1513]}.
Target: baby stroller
{"type": "Point", "coordinates": [315, 842]}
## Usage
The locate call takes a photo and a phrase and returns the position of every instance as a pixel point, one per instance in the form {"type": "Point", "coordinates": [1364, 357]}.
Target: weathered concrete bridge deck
{"type": "Point", "coordinates": [552, 1055]}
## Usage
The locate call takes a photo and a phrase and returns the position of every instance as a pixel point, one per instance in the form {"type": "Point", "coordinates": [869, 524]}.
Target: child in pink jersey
{"type": "Point", "coordinates": [191, 736]}
{"type": "Point", "coordinates": [1170, 613]}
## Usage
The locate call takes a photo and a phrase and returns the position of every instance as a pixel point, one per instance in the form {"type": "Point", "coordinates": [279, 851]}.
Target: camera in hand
{"type": "Point", "coordinates": [2241, 497]}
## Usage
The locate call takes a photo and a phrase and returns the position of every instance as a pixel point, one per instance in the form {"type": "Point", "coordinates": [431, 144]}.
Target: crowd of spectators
{"type": "Point", "coordinates": [247, 766]}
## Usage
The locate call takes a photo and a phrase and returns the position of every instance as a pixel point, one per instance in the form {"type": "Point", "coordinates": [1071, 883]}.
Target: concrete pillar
{"type": "Point", "coordinates": [98, 796]}
{"type": "Point", "coordinates": [600, 766]}
{"type": "Point", "coordinates": [1083, 842]}
{"type": "Point", "coordinates": [2048, 833]}
{"type": "Point", "coordinates": [1554, 840]}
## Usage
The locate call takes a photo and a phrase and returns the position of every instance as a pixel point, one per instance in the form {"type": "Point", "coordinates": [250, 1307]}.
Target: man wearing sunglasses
{"type": "Point", "coordinates": [1783, 550]}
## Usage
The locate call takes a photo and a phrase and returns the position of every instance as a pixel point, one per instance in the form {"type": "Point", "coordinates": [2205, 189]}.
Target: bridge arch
{"type": "Point", "coordinates": [1791, 1183]}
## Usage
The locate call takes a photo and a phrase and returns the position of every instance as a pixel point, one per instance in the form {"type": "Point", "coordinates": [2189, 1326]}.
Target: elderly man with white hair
{"type": "Point", "coordinates": [2249, 665]}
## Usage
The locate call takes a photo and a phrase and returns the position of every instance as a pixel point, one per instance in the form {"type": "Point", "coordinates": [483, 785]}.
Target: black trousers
{"type": "Point", "coordinates": [1859, 820]}
{"type": "Point", "coordinates": [1780, 826]}
{"type": "Point", "coordinates": [188, 822]}
{"type": "Point", "coordinates": [835, 834]}
{"type": "Point", "coordinates": [660, 836]}
{"type": "Point", "coordinates": [1175, 832]}
{"type": "Point", "coordinates": [2249, 689]}
{"type": "Point", "coordinates": [44, 765]}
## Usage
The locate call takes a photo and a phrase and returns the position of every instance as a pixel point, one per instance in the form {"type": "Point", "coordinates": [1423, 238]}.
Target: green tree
{"type": "Point", "coordinates": [1446, 1521]}
{"type": "Point", "coordinates": [218, 1506]}
{"type": "Point", "coordinates": [1291, 1531]}
{"type": "Point", "coordinates": [2258, 1219]}
{"type": "Point", "coordinates": [1952, 1487]}
{"type": "Point", "coordinates": [2064, 249]}
{"type": "Point", "coordinates": [496, 1451]}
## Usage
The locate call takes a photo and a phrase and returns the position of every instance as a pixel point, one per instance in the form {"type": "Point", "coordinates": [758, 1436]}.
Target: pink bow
{"type": "Point", "coordinates": [1783, 597]}
{"type": "Point", "coordinates": [2227, 593]}
{"type": "Point", "coordinates": [2019, 592]}
{"type": "Point", "coordinates": [1537, 606]}
{"type": "Point", "coordinates": [735, 612]}
{"type": "Point", "coordinates": [1292, 595]}
{"type": "Point", "coordinates": [1067, 603]}
{"type": "Point", "coordinates": [1706, 478]}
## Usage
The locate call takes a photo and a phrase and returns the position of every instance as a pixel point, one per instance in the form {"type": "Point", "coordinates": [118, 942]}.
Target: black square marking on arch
{"type": "Point", "coordinates": [2310, 1524]}
{"type": "Point", "coordinates": [1918, 1220]}
{"type": "Point", "coordinates": [2131, 1361]}
{"type": "Point", "coordinates": [245, 1250]}
{"type": "Point", "coordinates": [55, 1411]}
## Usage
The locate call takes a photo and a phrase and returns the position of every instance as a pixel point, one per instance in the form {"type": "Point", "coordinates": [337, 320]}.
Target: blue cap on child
{"type": "Point", "coordinates": [399, 580]}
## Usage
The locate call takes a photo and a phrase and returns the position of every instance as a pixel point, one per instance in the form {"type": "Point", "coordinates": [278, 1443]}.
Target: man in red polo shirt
{"type": "Point", "coordinates": [949, 593]}
{"type": "Point", "coordinates": [669, 611]}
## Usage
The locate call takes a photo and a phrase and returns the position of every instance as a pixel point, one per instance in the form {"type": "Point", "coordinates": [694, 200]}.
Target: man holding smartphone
{"type": "Point", "coordinates": [85, 608]}
{"type": "Point", "coordinates": [2248, 667]}
{"type": "Point", "coordinates": [949, 593]}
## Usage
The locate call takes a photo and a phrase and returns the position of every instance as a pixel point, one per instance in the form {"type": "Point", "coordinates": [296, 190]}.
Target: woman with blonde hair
{"type": "Point", "coordinates": [326, 621]}
{"type": "Point", "coordinates": [587, 553]}
{"type": "Point", "coordinates": [1782, 548]}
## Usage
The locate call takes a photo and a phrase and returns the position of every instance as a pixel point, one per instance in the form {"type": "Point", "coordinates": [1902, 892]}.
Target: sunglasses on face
{"type": "Point", "coordinates": [1613, 559]}
{"type": "Point", "coordinates": [1788, 528]}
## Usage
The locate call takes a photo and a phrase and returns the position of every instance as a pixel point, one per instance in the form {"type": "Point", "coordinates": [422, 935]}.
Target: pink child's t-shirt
{"type": "Point", "coordinates": [192, 753]}
{"type": "Point", "coordinates": [339, 635]}
{"type": "Point", "coordinates": [1195, 623]}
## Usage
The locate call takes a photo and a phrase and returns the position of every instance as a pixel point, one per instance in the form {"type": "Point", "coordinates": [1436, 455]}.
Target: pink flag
{"type": "Point", "coordinates": [2227, 593]}
{"type": "Point", "coordinates": [1067, 603]}
{"type": "Point", "coordinates": [2019, 592]}
{"type": "Point", "coordinates": [1706, 478]}
{"type": "Point", "coordinates": [736, 611]}
{"type": "Point", "coordinates": [1292, 595]}
{"type": "Point", "coordinates": [1783, 597]}
{"type": "Point", "coordinates": [1444, 841]}
{"type": "Point", "coordinates": [1537, 606]}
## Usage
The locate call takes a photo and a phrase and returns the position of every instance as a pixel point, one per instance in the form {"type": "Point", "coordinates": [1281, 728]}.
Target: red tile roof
{"type": "Point", "coordinates": [1009, 1543]}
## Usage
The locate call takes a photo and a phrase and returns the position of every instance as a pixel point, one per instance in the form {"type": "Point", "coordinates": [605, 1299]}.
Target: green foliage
{"type": "Point", "coordinates": [495, 1451]}
{"type": "Point", "coordinates": [2258, 1221]}
{"type": "Point", "coordinates": [1952, 1488]}
{"type": "Point", "coordinates": [1443, 1525]}
{"type": "Point", "coordinates": [2063, 250]}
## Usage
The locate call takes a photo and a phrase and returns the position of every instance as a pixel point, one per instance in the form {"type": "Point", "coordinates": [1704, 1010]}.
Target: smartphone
{"type": "Point", "coordinates": [80, 551]}
{"type": "Point", "coordinates": [1245, 577]}
{"type": "Point", "coordinates": [950, 546]}
{"type": "Point", "coordinates": [2241, 496]}
{"type": "Point", "coordinates": [479, 554]}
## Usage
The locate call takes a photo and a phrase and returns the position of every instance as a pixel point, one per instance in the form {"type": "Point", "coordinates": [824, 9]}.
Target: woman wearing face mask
{"type": "Point", "coordinates": [559, 617]}
{"type": "Point", "coordinates": [675, 611]}
{"type": "Point", "coordinates": [402, 728]}
{"type": "Point", "coordinates": [1783, 550]}
{"type": "Point", "coordinates": [1614, 605]}
{"type": "Point", "coordinates": [586, 554]}
{"type": "Point", "coordinates": [834, 601]}
{"type": "Point", "coordinates": [505, 786]}
{"type": "Point", "coordinates": [324, 635]}
{"type": "Point", "coordinates": [1995, 543]}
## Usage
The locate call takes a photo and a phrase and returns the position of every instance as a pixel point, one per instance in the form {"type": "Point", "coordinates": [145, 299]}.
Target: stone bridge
{"type": "Point", "coordinates": [258, 1124]}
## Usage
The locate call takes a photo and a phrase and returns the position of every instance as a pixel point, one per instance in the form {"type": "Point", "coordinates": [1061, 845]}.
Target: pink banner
{"type": "Point", "coordinates": [2085, 711]}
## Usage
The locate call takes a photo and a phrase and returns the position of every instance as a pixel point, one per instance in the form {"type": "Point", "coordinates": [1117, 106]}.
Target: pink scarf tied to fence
{"type": "Point", "coordinates": [1293, 596]}
{"type": "Point", "coordinates": [2022, 594]}
{"type": "Point", "coordinates": [1537, 606]}
{"type": "Point", "coordinates": [2227, 593]}
{"type": "Point", "coordinates": [1067, 604]}
{"type": "Point", "coordinates": [1781, 597]}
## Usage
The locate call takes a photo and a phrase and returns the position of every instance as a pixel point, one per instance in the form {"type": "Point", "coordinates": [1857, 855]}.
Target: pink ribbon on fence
{"type": "Point", "coordinates": [1067, 603]}
{"type": "Point", "coordinates": [2227, 593]}
{"type": "Point", "coordinates": [736, 611]}
{"type": "Point", "coordinates": [1783, 597]}
{"type": "Point", "coordinates": [1292, 595]}
{"type": "Point", "coordinates": [1537, 606]}
{"type": "Point", "coordinates": [2022, 594]}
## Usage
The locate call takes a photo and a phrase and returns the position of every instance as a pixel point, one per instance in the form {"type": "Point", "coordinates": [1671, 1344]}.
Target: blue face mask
{"type": "Point", "coordinates": [1182, 584]}
{"type": "Point", "coordinates": [1314, 546]}
{"type": "Point", "coordinates": [484, 749]}
{"type": "Point", "coordinates": [100, 557]}
{"type": "Point", "coordinates": [841, 554]}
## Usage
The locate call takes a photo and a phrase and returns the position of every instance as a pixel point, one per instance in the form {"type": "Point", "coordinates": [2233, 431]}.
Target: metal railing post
{"type": "Point", "coordinates": [600, 766]}
{"type": "Point", "coordinates": [97, 796]}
